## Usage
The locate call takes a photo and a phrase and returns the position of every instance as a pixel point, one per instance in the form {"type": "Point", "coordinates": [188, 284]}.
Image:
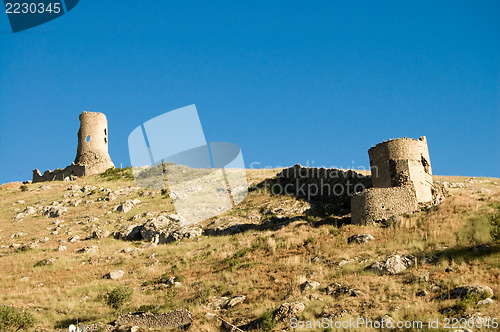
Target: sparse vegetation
{"type": "Point", "coordinates": [113, 174]}
{"type": "Point", "coordinates": [13, 319]}
{"type": "Point", "coordinates": [494, 219]}
{"type": "Point", "coordinates": [267, 322]}
{"type": "Point", "coordinates": [119, 296]}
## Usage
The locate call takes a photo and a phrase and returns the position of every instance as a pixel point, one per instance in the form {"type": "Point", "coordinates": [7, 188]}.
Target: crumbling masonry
{"type": "Point", "coordinates": [401, 178]}
{"type": "Point", "coordinates": [92, 153]}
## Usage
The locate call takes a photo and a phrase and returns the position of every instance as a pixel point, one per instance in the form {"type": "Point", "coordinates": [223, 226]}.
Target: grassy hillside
{"type": "Point", "coordinates": [285, 243]}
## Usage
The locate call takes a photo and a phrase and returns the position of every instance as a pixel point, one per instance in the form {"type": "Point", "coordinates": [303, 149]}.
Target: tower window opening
{"type": "Point", "coordinates": [87, 139]}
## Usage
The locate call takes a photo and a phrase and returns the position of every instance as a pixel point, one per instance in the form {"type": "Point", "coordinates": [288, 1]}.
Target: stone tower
{"type": "Point", "coordinates": [92, 151]}
{"type": "Point", "coordinates": [403, 162]}
{"type": "Point", "coordinates": [91, 155]}
{"type": "Point", "coordinates": [401, 178]}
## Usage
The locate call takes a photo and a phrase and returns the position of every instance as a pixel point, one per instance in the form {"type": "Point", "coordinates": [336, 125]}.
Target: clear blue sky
{"type": "Point", "coordinates": [289, 81]}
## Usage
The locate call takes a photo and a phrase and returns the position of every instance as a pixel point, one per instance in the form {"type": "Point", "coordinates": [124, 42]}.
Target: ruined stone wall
{"type": "Point", "coordinates": [59, 174]}
{"type": "Point", "coordinates": [321, 184]}
{"type": "Point", "coordinates": [92, 151]}
{"type": "Point", "coordinates": [403, 162]}
{"type": "Point", "coordinates": [380, 204]}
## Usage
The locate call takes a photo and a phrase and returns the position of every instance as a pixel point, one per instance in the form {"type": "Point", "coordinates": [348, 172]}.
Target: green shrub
{"type": "Point", "coordinates": [267, 322]}
{"type": "Point", "coordinates": [309, 240]}
{"type": "Point", "coordinates": [119, 296]}
{"type": "Point", "coordinates": [469, 301]}
{"type": "Point", "coordinates": [12, 319]}
{"type": "Point", "coordinates": [117, 174]}
{"type": "Point", "coordinates": [495, 223]}
{"type": "Point", "coordinates": [23, 187]}
{"type": "Point", "coordinates": [149, 308]}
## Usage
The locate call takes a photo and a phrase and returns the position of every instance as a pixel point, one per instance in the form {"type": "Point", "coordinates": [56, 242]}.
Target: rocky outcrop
{"type": "Point", "coordinates": [360, 238]}
{"type": "Point", "coordinates": [289, 310]}
{"type": "Point", "coordinates": [168, 228]}
{"type": "Point", "coordinates": [309, 285]}
{"type": "Point", "coordinates": [165, 228]}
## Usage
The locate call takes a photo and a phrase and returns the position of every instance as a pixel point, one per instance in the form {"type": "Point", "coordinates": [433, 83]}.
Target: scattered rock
{"type": "Point", "coordinates": [53, 211]}
{"type": "Point", "coordinates": [394, 264]}
{"type": "Point", "coordinates": [360, 238]}
{"type": "Point", "coordinates": [114, 275]}
{"type": "Point", "coordinates": [288, 208]}
{"type": "Point", "coordinates": [485, 302]}
{"type": "Point", "coordinates": [74, 187]}
{"type": "Point", "coordinates": [61, 248]}
{"type": "Point", "coordinates": [87, 250]}
{"type": "Point", "coordinates": [168, 228]}
{"type": "Point", "coordinates": [129, 233]}
{"type": "Point", "coordinates": [19, 234]}
{"type": "Point", "coordinates": [289, 310]}
{"type": "Point", "coordinates": [100, 234]}
{"type": "Point", "coordinates": [309, 285]}
{"type": "Point", "coordinates": [29, 210]}
{"type": "Point", "coordinates": [422, 293]}
{"type": "Point", "coordinates": [73, 239]}
{"type": "Point", "coordinates": [127, 206]}
{"type": "Point", "coordinates": [46, 261]}
{"type": "Point", "coordinates": [234, 301]}
{"type": "Point", "coordinates": [336, 290]}
{"type": "Point", "coordinates": [463, 291]}
{"type": "Point", "coordinates": [481, 249]}
{"type": "Point", "coordinates": [448, 269]}
{"type": "Point", "coordinates": [171, 281]}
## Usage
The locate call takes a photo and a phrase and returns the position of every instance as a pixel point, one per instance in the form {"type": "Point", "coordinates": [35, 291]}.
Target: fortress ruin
{"type": "Point", "coordinates": [92, 152]}
{"type": "Point", "coordinates": [401, 177]}
{"type": "Point", "coordinates": [400, 181]}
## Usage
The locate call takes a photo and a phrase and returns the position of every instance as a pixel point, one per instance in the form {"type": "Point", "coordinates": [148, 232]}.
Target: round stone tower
{"type": "Point", "coordinates": [403, 162]}
{"type": "Point", "coordinates": [92, 151]}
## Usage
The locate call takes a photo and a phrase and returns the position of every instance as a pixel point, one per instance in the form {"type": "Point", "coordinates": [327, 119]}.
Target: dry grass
{"type": "Point", "coordinates": [266, 266]}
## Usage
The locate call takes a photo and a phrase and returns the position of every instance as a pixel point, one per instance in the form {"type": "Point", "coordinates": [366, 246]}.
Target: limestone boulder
{"type": "Point", "coordinates": [114, 275]}
{"type": "Point", "coordinates": [394, 264]}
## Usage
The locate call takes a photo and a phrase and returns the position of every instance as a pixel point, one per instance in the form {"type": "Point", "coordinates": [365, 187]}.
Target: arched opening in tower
{"type": "Point", "coordinates": [87, 139]}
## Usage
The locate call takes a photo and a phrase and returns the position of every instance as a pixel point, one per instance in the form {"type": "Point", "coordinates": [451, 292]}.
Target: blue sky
{"type": "Point", "coordinates": [288, 81]}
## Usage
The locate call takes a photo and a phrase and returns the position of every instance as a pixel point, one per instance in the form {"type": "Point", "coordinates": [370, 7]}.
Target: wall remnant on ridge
{"type": "Point", "coordinates": [92, 152]}
{"type": "Point", "coordinates": [331, 185]}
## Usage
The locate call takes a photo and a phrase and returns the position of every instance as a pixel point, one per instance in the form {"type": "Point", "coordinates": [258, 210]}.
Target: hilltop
{"type": "Point", "coordinates": [272, 258]}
